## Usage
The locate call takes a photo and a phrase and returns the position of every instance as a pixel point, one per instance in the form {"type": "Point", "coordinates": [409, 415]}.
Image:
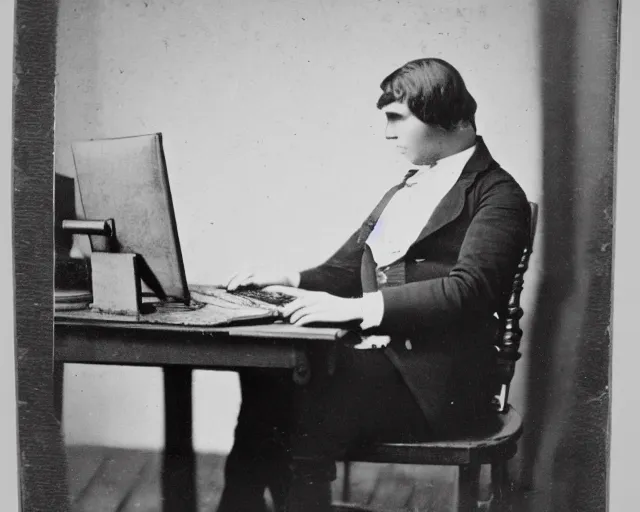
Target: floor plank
{"type": "Point", "coordinates": [435, 487]}
{"type": "Point", "coordinates": [363, 479]}
{"type": "Point", "coordinates": [210, 480]}
{"type": "Point", "coordinates": [115, 478]}
{"type": "Point", "coordinates": [393, 490]}
{"type": "Point", "coordinates": [83, 462]}
{"type": "Point", "coordinates": [119, 480]}
{"type": "Point", "coordinates": [146, 495]}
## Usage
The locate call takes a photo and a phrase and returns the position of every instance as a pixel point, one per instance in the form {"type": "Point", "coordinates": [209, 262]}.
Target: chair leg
{"type": "Point", "coordinates": [468, 481]}
{"type": "Point", "coordinates": [498, 476]}
{"type": "Point", "coordinates": [500, 487]}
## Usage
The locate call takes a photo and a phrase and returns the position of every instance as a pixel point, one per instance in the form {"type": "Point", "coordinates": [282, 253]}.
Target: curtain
{"type": "Point", "coordinates": [564, 451]}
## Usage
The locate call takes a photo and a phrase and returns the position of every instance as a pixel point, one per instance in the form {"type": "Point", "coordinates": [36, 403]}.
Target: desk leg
{"type": "Point", "coordinates": [179, 465]}
{"type": "Point", "coordinates": [313, 370]}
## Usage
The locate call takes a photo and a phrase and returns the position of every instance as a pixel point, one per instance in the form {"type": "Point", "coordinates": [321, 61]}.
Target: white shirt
{"type": "Point", "coordinates": [404, 218]}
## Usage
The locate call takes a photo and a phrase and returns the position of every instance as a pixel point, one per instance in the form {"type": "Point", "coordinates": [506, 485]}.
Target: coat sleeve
{"type": "Point", "coordinates": [340, 274]}
{"type": "Point", "coordinates": [482, 275]}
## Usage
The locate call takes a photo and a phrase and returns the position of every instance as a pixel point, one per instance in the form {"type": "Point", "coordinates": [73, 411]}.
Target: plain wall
{"type": "Point", "coordinates": [274, 146]}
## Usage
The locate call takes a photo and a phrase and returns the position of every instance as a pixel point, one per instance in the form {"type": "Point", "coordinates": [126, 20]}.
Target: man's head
{"type": "Point", "coordinates": [429, 110]}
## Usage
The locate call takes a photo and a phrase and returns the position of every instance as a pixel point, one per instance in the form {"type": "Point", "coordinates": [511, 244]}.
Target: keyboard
{"type": "Point", "coordinates": [273, 298]}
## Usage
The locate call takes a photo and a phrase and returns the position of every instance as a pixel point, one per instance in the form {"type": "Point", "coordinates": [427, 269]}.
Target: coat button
{"type": "Point", "coordinates": [407, 344]}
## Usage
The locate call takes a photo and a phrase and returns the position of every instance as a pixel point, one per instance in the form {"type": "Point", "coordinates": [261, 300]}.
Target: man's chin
{"type": "Point", "coordinates": [422, 162]}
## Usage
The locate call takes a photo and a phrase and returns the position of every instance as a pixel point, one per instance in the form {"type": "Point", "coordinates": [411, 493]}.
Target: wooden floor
{"type": "Point", "coordinates": [119, 480]}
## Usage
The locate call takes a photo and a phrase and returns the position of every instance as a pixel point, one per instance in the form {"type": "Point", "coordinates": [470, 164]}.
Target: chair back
{"type": "Point", "coordinates": [508, 342]}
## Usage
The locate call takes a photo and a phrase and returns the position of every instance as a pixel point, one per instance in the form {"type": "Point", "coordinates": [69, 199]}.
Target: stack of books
{"type": "Point", "coordinates": [72, 300]}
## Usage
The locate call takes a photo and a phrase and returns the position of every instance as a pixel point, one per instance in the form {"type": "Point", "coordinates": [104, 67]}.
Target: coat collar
{"type": "Point", "coordinates": [480, 160]}
{"type": "Point", "coordinates": [452, 204]}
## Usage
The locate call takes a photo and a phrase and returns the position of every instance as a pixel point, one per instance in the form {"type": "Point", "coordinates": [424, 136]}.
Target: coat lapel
{"type": "Point", "coordinates": [452, 204]}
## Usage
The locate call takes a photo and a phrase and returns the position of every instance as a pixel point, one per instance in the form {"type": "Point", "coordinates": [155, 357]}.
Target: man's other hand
{"type": "Point", "coordinates": [311, 307]}
{"type": "Point", "coordinates": [262, 278]}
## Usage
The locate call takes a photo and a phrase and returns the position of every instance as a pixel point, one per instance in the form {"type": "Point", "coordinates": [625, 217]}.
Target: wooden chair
{"type": "Point", "coordinates": [495, 445]}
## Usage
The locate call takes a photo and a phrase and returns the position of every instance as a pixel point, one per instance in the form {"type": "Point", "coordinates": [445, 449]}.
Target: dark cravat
{"type": "Point", "coordinates": [368, 265]}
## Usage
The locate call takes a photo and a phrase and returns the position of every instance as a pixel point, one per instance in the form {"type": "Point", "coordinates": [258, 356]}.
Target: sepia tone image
{"type": "Point", "coordinates": [313, 255]}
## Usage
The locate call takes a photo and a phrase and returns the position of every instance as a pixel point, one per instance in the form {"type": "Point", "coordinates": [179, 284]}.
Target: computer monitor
{"type": "Point", "coordinates": [126, 179]}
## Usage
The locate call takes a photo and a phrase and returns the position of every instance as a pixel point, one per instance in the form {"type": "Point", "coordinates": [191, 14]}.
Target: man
{"type": "Point", "coordinates": [430, 267]}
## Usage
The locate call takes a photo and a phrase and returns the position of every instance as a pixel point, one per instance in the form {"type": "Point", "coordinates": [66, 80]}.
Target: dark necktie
{"type": "Point", "coordinates": [368, 267]}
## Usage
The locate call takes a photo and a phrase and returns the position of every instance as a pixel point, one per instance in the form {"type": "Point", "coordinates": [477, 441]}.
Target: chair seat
{"type": "Point", "coordinates": [491, 442]}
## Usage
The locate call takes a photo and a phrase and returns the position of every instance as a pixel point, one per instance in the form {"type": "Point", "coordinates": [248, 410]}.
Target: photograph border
{"type": "Point", "coordinates": [43, 466]}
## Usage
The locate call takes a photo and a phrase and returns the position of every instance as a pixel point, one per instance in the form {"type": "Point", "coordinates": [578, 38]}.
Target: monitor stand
{"type": "Point", "coordinates": [115, 276]}
{"type": "Point", "coordinates": [115, 283]}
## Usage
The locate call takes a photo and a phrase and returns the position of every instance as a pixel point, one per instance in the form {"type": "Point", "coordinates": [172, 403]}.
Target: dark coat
{"type": "Point", "coordinates": [458, 274]}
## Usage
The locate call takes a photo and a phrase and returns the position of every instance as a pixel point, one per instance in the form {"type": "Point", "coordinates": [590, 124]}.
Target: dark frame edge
{"type": "Point", "coordinates": [42, 461]}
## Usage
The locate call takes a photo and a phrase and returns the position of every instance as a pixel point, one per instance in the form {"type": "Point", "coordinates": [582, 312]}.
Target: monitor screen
{"type": "Point", "coordinates": [126, 179]}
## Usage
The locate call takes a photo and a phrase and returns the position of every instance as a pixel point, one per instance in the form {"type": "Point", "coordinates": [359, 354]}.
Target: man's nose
{"type": "Point", "coordinates": [389, 133]}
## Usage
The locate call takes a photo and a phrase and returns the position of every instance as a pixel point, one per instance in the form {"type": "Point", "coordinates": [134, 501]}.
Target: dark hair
{"type": "Point", "coordinates": [434, 92]}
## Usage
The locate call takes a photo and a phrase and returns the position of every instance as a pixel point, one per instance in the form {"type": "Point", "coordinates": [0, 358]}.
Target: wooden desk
{"type": "Point", "coordinates": [178, 349]}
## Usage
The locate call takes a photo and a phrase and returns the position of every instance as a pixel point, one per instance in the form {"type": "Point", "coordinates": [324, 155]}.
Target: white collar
{"type": "Point", "coordinates": [452, 164]}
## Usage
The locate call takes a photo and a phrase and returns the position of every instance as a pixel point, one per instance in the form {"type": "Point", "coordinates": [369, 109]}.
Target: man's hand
{"type": "Point", "coordinates": [262, 278]}
{"type": "Point", "coordinates": [312, 307]}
